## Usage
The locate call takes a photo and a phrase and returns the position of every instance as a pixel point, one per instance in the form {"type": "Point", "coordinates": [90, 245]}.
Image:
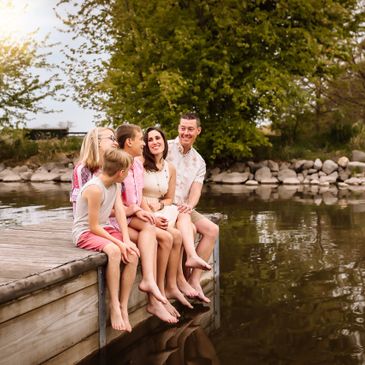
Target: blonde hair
{"type": "Point", "coordinates": [89, 153]}
{"type": "Point", "coordinates": [116, 160]}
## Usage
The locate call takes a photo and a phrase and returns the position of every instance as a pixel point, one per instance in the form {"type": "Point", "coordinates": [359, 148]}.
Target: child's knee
{"type": "Point", "coordinates": [113, 253]}
{"type": "Point", "coordinates": [165, 240]}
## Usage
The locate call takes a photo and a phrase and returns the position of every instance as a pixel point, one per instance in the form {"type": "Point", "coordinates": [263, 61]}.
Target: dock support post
{"type": "Point", "coordinates": [102, 306]}
{"type": "Point", "coordinates": [217, 311]}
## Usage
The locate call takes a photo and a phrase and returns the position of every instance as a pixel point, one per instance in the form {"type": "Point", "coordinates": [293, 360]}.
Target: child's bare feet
{"type": "Point", "coordinates": [152, 288]}
{"type": "Point", "coordinates": [197, 262]}
{"type": "Point", "coordinates": [186, 288]}
{"type": "Point", "coordinates": [157, 309]}
{"type": "Point", "coordinates": [125, 317]}
{"type": "Point", "coordinates": [175, 293]}
{"type": "Point", "coordinates": [116, 318]}
{"type": "Point", "coordinates": [172, 310]}
{"type": "Point", "coordinates": [201, 295]}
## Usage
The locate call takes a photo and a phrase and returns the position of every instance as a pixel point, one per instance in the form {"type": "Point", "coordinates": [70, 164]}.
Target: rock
{"type": "Point", "coordinates": [312, 171]}
{"type": "Point", "coordinates": [264, 192]}
{"type": "Point", "coordinates": [271, 180]}
{"type": "Point", "coordinates": [287, 191]}
{"type": "Point", "coordinates": [273, 166]}
{"type": "Point", "coordinates": [262, 173]}
{"type": "Point", "coordinates": [2, 167]}
{"type": "Point", "coordinates": [238, 167]}
{"type": "Point", "coordinates": [298, 165]}
{"type": "Point", "coordinates": [324, 183]}
{"type": "Point", "coordinates": [291, 181]}
{"type": "Point", "coordinates": [5, 172]}
{"type": "Point", "coordinates": [343, 161]}
{"type": "Point", "coordinates": [300, 177]}
{"type": "Point", "coordinates": [254, 166]}
{"type": "Point", "coordinates": [329, 166]}
{"type": "Point", "coordinates": [26, 175]}
{"type": "Point", "coordinates": [251, 183]}
{"type": "Point", "coordinates": [308, 164]}
{"type": "Point", "coordinates": [317, 164]}
{"type": "Point", "coordinates": [284, 165]}
{"type": "Point", "coordinates": [218, 178]}
{"type": "Point", "coordinates": [11, 177]}
{"type": "Point", "coordinates": [354, 165]}
{"type": "Point", "coordinates": [67, 176]}
{"type": "Point", "coordinates": [321, 173]}
{"type": "Point", "coordinates": [314, 182]}
{"type": "Point", "coordinates": [342, 185]}
{"type": "Point", "coordinates": [353, 181]}
{"type": "Point", "coordinates": [331, 179]}
{"type": "Point", "coordinates": [235, 178]}
{"type": "Point", "coordinates": [307, 181]}
{"type": "Point", "coordinates": [329, 198]}
{"type": "Point", "coordinates": [44, 176]}
{"type": "Point", "coordinates": [358, 156]}
{"type": "Point", "coordinates": [343, 174]}
{"type": "Point", "coordinates": [286, 174]}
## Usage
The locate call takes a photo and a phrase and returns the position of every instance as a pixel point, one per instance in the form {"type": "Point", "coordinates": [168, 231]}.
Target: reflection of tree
{"type": "Point", "coordinates": [291, 282]}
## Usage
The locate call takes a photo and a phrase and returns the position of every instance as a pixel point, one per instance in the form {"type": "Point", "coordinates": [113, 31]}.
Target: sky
{"type": "Point", "coordinates": [27, 16]}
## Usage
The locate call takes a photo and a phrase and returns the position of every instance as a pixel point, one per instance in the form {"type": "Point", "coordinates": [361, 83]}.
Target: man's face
{"type": "Point", "coordinates": [188, 131]}
{"type": "Point", "coordinates": [137, 143]}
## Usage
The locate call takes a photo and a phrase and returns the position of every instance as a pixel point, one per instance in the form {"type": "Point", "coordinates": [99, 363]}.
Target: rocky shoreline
{"type": "Point", "coordinates": [343, 172]}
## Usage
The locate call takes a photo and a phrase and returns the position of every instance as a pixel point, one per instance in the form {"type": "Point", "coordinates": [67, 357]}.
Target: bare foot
{"type": "Point", "coordinates": [175, 293]}
{"type": "Point", "coordinates": [158, 310]}
{"type": "Point", "coordinates": [186, 288]}
{"type": "Point", "coordinates": [125, 317]}
{"type": "Point", "coordinates": [197, 262]}
{"type": "Point", "coordinates": [201, 295]}
{"type": "Point", "coordinates": [172, 310]}
{"type": "Point", "coordinates": [152, 288]}
{"type": "Point", "coordinates": [116, 318]}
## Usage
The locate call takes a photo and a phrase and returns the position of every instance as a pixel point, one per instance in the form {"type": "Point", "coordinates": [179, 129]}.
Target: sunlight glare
{"type": "Point", "coordinates": [13, 19]}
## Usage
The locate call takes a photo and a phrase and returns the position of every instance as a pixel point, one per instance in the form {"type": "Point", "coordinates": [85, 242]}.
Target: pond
{"type": "Point", "coordinates": [292, 273]}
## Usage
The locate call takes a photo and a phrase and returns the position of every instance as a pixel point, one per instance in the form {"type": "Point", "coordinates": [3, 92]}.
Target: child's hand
{"type": "Point", "coordinates": [132, 248]}
{"type": "Point", "coordinates": [124, 252]}
{"type": "Point", "coordinates": [146, 216]}
{"type": "Point", "coordinates": [162, 222]}
{"type": "Point", "coordinates": [155, 206]}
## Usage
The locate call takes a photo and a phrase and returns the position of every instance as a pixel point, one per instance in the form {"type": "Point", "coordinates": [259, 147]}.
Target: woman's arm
{"type": "Point", "coordinates": [168, 198]}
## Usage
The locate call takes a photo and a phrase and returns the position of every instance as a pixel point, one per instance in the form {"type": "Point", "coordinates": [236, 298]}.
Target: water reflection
{"type": "Point", "coordinates": [155, 344]}
{"type": "Point", "coordinates": [292, 273]}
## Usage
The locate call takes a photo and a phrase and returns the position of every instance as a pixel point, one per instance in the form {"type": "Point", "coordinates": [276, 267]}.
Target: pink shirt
{"type": "Point", "coordinates": [133, 184]}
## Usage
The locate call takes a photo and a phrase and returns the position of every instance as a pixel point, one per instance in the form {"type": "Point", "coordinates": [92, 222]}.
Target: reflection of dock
{"type": "Point", "coordinates": [52, 297]}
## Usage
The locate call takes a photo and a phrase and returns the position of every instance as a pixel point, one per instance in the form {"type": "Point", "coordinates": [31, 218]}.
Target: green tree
{"type": "Point", "coordinates": [232, 61]}
{"type": "Point", "coordinates": [22, 88]}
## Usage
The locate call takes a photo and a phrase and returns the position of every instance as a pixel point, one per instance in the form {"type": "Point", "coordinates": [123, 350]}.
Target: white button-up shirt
{"type": "Point", "coordinates": [190, 168]}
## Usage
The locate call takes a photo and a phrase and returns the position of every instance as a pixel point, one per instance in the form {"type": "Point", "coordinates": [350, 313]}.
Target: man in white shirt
{"type": "Point", "coordinates": [190, 172]}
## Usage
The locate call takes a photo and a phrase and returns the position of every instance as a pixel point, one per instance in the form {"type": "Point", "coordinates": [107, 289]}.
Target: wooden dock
{"type": "Point", "coordinates": [53, 298]}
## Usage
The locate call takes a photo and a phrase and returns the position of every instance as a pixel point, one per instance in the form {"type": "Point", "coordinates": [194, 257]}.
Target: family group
{"type": "Point", "coordinates": [134, 195]}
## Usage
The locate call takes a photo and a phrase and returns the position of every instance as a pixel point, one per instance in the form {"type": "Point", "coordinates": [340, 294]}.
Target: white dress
{"type": "Point", "coordinates": [156, 185]}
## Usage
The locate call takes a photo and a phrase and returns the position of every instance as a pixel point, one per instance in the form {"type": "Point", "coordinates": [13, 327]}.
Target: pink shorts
{"type": "Point", "coordinates": [91, 241]}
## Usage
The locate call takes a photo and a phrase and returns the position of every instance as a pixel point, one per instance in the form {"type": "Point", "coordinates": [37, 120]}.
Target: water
{"type": "Point", "coordinates": [292, 272]}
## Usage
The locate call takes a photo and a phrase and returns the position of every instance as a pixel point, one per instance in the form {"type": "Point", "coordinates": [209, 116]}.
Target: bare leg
{"type": "Point", "coordinates": [126, 283]}
{"type": "Point", "coordinates": [182, 284]}
{"type": "Point", "coordinates": [209, 232]}
{"type": "Point", "coordinates": [165, 240]}
{"type": "Point", "coordinates": [172, 291]}
{"type": "Point", "coordinates": [112, 281]}
{"type": "Point", "coordinates": [148, 246]}
{"type": "Point", "coordinates": [185, 226]}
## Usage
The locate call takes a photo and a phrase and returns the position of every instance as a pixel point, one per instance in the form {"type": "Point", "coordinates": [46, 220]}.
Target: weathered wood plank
{"type": "Point", "coordinates": [46, 331]}
{"type": "Point", "coordinates": [42, 297]}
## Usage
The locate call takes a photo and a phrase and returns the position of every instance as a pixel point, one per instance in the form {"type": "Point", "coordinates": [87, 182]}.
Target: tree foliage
{"type": "Point", "coordinates": [234, 62]}
{"type": "Point", "coordinates": [22, 88]}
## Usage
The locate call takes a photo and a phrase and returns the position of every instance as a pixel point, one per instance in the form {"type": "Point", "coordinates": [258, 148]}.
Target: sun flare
{"type": "Point", "coordinates": [13, 19]}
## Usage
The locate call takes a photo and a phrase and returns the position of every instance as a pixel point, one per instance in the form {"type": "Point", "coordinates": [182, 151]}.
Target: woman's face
{"type": "Point", "coordinates": [107, 140]}
{"type": "Point", "coordinates": [155, 142]}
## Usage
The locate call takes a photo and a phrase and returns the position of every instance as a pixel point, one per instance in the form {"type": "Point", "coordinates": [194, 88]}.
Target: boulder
{"type": "Point", "coordinates": [26, 175]}
{"type": "Point", "coordinates": [314, 182]}
{"type": "Point", "coordinates": [331, 179]}
{"type": "Point", "coordinates": [67, 176]}
{"type": "Point", "coordinates": [284, 165]}
{"type": "Point", "coordinates": [291, 181]}
{"type": "Point", "coordinates": [262, 173]}
{"type": "Point", "coordinates": [2, 167]}
{"type": "Point", "coordinates": [11, 177]}
{"type": "Point", "coordinates": [251, 183]}
{"type": "Point", "coordinates": [342, 185]}
{"type": "Point", "coordinates": [343, 161]}
{"type": "Point", "coordinates": [271, 180]}
{"type": "Point", "coordinates": [238, 167]}
{"type": "Point", "coordinates": [254, 166]}
{"type": "Point", "coordinates": [44, 176]}
{"type": "Point", "coordinates": [218, 178]}
{"type": "Point", "coordinates": [329, 166]}
{"type": "Point", "coordinates": [5, 172]}
{"type": "Point", "coordinates": [358, 156]}
{"type": "Point", "coordinates": [273, 166]}
{"type": "Point", "coordinates": [317, 164]}
{"type": "Point", "coordinates": [343, 174]}
{"type": "Point", "coordinates": [286, 174]}
{"type": "Point", "coordinates": [308, 164]}
{"type": "Point", "coordinates": [354, 165]}
{"type": "Point", "coordinates": [353, 181]}
{"type": "Point", "coordinates": [298, 165]}
{"type": "Point", "coordinates": [235, 178]}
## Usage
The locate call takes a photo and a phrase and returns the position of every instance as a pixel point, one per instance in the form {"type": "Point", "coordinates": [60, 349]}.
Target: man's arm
{"type": "Point", "coordinates": [193, 199]}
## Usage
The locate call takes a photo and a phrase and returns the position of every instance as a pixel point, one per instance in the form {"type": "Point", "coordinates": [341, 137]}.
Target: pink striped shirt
{"type": "Point", "coordinates": [133, 184]}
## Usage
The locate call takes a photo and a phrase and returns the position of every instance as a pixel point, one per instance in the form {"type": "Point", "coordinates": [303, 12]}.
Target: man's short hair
{"type": "Point", "coordinates": [126, 131]}
{"type": "Point", "coordinates": [116, 160]}
{"type": "Point", "coordinates": [191, 116]}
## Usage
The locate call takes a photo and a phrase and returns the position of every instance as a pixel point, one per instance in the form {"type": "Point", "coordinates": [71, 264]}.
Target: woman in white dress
{"type": "Point", "coordinates": [158, 192]}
